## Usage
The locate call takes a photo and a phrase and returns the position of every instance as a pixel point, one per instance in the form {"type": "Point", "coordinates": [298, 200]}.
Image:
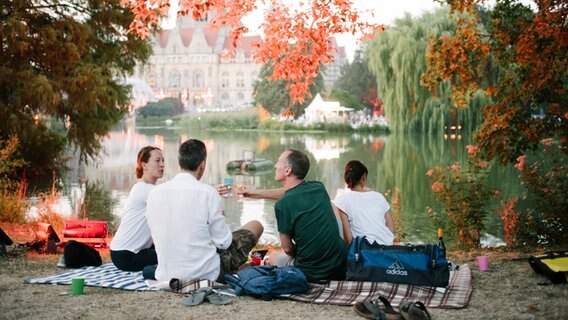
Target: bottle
{"type": "Point", "coordinates": [441, 244]}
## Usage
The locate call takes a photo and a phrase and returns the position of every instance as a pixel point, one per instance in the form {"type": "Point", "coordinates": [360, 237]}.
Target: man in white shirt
{"type": "Point", "coordinates": [191, 236]}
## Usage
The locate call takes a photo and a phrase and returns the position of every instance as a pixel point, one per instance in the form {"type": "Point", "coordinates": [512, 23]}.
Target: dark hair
{"type": "Point", "coordinates": [191, 153]}
{"type": "Point", "coordinates": [299, 163]}
{"type": "Point", "coordinates": [354, 172]}
{"type": "Point", "coordinates": [143, 157]}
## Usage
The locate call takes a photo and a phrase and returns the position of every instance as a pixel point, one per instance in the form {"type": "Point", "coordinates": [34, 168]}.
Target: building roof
{"type": "Point", "coordinates": [211, 35]}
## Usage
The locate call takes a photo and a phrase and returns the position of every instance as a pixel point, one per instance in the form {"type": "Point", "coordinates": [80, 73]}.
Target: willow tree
{"type": "Point", "coordinates": [397, 57]}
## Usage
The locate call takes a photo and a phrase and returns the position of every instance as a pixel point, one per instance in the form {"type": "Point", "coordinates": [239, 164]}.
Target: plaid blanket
{"type": "Point", "coordinates": [345, 293]}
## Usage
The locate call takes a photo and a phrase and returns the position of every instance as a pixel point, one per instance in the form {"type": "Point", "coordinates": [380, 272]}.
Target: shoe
{"type": "Point", "coordinates": [377, 309]}
{"type": "Point", "coordinates": [414, 310]}
{"type": "Point", "coordinates": [196, 297]}
{"type": "Point", "coordinates": [61, 262]}
{"type": "Point", "coordinates": [218, 299]}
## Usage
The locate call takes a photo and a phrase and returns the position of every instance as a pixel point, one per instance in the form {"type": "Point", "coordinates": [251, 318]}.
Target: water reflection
{"type": "Point", "coordinates": [394, 162]}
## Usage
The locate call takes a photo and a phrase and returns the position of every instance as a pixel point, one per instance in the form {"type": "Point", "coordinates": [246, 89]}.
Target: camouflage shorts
{"type": "Point", "coordinates": [237, 253]}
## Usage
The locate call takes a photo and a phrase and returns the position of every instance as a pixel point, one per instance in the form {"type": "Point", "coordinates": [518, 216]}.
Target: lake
{"type": "Point", "coordinates": [394, 161]}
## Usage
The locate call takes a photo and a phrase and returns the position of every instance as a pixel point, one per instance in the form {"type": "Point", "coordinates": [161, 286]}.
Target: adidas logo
{"type": "Point", "coordinates": [397, 269]}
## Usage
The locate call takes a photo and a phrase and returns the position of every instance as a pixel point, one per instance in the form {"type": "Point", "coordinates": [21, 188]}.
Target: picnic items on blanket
{"type": "Point", "coordinates": [268, 281]}
{"type": "Point", "coordinates": [414, 311]}
{"type": "Point", "coordinates": [77, 254]}
{"type": "Point", "coordinates": [551, 264]}
{"type": "Point", "coordinates": [424, 265]}
{"type": "Point", "coordinates": [377, 309]}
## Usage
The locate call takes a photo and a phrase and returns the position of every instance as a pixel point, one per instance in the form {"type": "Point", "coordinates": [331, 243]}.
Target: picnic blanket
{"type": "Point", "coordinates": [345, 293]}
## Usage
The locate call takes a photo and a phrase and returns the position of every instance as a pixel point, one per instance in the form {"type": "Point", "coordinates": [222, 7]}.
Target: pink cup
{"type": "Point", "coordinates": [482, 263]}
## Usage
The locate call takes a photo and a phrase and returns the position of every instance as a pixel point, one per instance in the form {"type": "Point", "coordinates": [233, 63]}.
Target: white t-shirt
{"type": "Point", "coordinates": [366, 214]}
{"type": "Point", "coordinates": [133, 233]}
{"type": "Point", "coordinates": [187, 224]}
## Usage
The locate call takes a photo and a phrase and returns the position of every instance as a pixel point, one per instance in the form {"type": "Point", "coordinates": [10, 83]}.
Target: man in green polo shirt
{"type": "Point", "coordinates": [309, 233]}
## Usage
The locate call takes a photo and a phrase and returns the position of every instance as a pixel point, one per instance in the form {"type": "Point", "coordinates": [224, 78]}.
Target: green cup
{"type": "Point", "coordinates": [77, 286]}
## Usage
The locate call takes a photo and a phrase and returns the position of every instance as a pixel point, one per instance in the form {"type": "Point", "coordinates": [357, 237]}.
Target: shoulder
{"type": "Point", "coordinates": [379, 195]}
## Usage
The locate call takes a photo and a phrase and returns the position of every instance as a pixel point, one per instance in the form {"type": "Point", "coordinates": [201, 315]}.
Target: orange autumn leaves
{"type": "Point", "coordinates": [296, 39]}
{"type": "Point", "coordinates": [457, 57]}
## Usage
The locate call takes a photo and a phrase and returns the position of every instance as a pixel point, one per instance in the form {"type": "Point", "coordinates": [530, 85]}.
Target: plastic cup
{"type": "Point", "coordinates": [482, 263]}
{"type": "Point", "coordinates": [228, 180]}
{"type": "Point", "coordinates": [256, 260]}
{"type": "Point", "coordinates": [77, 286]}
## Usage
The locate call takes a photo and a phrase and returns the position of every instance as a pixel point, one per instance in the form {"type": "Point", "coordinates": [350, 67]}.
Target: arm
{"type": "Point", "coordinates": [273, 194]}
{"type": "Point", "coordinates": [390, 222]}
{"type": "Point", "coordinates": [219, 231]}
{"type": "Point", "coordinates": [347, 236]}
{"type": "Point", "coordinates": [287, 245]}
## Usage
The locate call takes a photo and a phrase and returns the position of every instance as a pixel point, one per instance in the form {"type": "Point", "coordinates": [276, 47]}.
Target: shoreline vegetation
{"type": "Point", "coordinates": [250, 119]}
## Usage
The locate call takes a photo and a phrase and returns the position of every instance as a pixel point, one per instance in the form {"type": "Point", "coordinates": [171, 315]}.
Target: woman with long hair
{"type": "Point", "coordinates": [132, 247]}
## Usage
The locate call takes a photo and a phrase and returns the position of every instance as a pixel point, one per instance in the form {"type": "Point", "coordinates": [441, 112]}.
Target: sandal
{"type": "Point", "coordinates": [196, 297]}
{"type": "Point", "coordinates": [414, 311]}
{"type": "Point", "coordinates": [218, 299]}
{"type": "Point", "coordinates": [378, 309]}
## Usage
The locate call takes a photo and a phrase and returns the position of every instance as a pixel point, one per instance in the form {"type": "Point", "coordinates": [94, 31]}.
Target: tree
{"type": "Point", "coordinates": [273, 96]}
{"type": "Point", "coordinates": [356, 87]}
{"type": "Point", "coordinates": [398, 59]}
{"type": "Point", "coordinates": [521, 61]}
{"type": "Point", "coordinates": [524, 54]}
{"type": "Point", "coordinates": [167, 107]}
{"type": "Point", "coordinates": [296, 38]}
{"type": "Point", "coordinates": [60, 62]}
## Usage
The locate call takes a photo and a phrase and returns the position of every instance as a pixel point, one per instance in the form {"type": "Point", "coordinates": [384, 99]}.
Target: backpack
{"type": "Point", "coordinates": [265, 282]}
{"type": "Point", "coordinates": [552, 264]}
{"type": "Point", "coordinates": [78, 255]}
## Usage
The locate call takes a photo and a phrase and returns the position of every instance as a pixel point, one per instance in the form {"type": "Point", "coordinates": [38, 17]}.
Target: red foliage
{"type": "Point", "coordinates": [295, 40]}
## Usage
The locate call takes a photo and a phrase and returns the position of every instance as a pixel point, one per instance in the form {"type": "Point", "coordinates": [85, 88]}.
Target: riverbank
{"type": "Point", "coordinates": [509, 290]}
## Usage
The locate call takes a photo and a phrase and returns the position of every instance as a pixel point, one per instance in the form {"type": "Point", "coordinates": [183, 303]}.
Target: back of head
{"type": "Point", "coordinates": [191, 153]}
{"type": "Point", "coordinates": [299, 163]}
{"type": "Point", "coordinates": [354, 172]}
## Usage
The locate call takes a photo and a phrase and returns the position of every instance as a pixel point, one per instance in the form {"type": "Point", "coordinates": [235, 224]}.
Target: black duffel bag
{"type": "Point", "coordinates": [423, 265]}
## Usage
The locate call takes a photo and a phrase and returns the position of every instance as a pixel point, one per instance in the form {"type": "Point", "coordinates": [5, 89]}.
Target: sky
{"type": "Point", "coordinates": [384, 12]}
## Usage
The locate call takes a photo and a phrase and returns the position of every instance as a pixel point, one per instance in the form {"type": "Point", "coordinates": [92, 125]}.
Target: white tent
{"type": "Point", "coordinates": [325, 111]}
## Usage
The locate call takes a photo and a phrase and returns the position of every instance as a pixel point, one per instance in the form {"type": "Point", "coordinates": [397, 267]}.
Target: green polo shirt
{"type": "Point", "coordinates": [306, 215]}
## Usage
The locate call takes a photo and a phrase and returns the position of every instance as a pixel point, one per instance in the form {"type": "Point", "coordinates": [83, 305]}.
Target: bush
{"type": "Point", "coordinates": [12, 193]}
{"type": "Point", "coordinates": [464, 195]}
{"type": "Point", "coordinates": [544, 217]}
{"type": "Point", "coordinates": [245, 119]}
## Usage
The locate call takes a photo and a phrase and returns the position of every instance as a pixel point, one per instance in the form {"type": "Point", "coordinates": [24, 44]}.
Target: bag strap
{"type": "Point", "coordinates": [358, 241]}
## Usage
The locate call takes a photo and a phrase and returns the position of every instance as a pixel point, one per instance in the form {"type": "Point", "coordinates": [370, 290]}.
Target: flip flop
{"type": "Point", "coordinates": [196, 297]}
{"type": "Point", "coordinates": [414, 311]}
{"type": "Point", "coordinates": [368, 309]}
{"type": "Point", "coordinates": [218, 299]}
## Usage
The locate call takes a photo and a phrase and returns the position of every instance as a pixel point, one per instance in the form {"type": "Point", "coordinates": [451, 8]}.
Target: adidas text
{"type": "Point", "coordinates": [397, 272]}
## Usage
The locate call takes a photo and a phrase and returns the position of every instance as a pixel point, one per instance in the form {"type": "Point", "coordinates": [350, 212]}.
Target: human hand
{"type": "Point", "coordinates": [246, 191]}
{"type": "Point", "coordinates": [224, 189]}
